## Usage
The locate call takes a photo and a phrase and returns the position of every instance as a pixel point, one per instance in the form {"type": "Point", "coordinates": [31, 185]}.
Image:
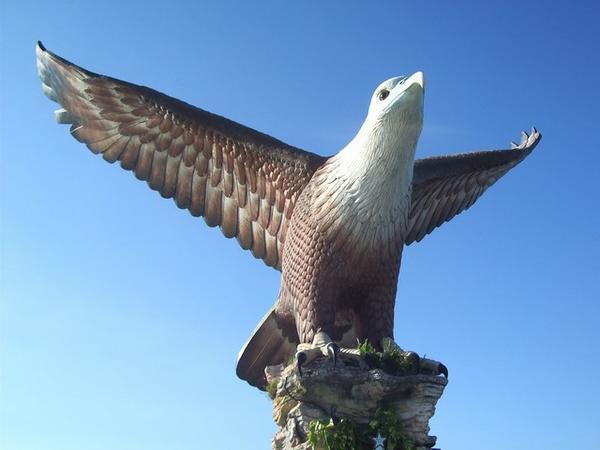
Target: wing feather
{"type": "Point", "coordinates": [444, 186]}
{"type": "Point", "coordinates": [237, 178]}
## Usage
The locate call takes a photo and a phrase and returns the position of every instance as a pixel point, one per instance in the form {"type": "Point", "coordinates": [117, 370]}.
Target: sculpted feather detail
{"type": "Point", "coordinates": [444, 186]}
{"type": "Point", "coordinates": [237, 178]}
{"type": "Point", "coordinates": [336, 227]}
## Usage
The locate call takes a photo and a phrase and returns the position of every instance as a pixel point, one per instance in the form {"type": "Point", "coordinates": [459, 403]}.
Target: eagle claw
{"type": "Point", "coordinates": [423, 365]}
{"type": "Point", "coordinates": [301, 358]}
{"type": "Point", "coordinates": [431, 367]}
{"type": "Point", "coordinates": [322, 345]}
{"type": "Point", "coordinates": [443, 370]}
{"type": "Point", "coordinates": [414, 360]}
{"type": "Point", "coordinates": [332, 351]}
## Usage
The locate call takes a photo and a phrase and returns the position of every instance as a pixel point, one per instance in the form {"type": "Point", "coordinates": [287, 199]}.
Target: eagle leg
{"type": "Point", "coordinates": [424, 365]}
{"type": "Point", "coordinates": [322, 345]}
{"type": "Point", "coordinates": [431, 367]}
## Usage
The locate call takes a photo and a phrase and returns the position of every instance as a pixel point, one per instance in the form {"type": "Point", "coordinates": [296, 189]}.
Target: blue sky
{"type": "Point", "coordinates": [121, 316]}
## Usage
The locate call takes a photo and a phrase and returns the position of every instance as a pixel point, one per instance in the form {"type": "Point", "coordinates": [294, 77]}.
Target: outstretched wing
{"type": "Point", "coordinates": [444, 186]}
{"type": "Point", "coordinates": [235, 177]}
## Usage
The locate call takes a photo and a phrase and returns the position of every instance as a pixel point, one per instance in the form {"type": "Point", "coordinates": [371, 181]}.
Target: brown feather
{"type": "Point", "coordinates": [245, 234]}
{"type": "Point", "coordinates": [163, 141]}
{"type": "Point", "coordinates": [153, 121]}
{"type": "Point", "coordinates": [198, 195]}
{"type": "Point", "coordinates": [112, 152]}
{"type": "Point", "coordinates": [150, 136]}
{"type": "Point", "coordinates": [275, 223]}
{"type": "Point", "coordinates": [242, 194]}
{"type": "Point", "coordinates": [189, 155]}
{"type": "Point", "coordinates": [201, 164]}
{"type": "Point", "coordinates": [214, 206]}
{"type": "Point", "coordinates": [228, 184]}
{"type": "Point", "coordinates": [262, 184]}
{"type": "Point", "coordinates": [165, 125]}
{"type": "Point", "coordinates": [251, 176]}
{"type": "Point", "coordinates": [217, 155]}
{"type": "Point", "coordinates": [271, 250]}
{"type": "Point", "coordinates": [171, 173]}
{"type": "Point", "coordinates": [215, 177]}
{"type": "Point", "coordinates": [239, 171]}
{"type": "Point", "coordinates": [133, 128]}
{"type": "Point", "coordinates": [265, 213]}
{"type": "Point", "coordinates": [258, 237]}
{"type": "Point", "coordinates": [253, 205]}
{"type": "Point", "coordinates": [210, 165]}
{"type": "Point", "coordinates": [230, 217]}
{"type": "Point", "coordinates": [183, 195]}
{"type": "Point", "coordinates": [157, 174]}
{"type": "Point", "coordinates": [176, 148]}
{"type": "Point", "coordinates": [444, 186]}
{"type": "Point", "coordinates": [130, 153]}
{"type": "Point", "coordinates": [143, 166]}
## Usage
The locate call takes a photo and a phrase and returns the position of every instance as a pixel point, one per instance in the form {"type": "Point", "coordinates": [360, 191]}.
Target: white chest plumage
{"type": "Point", "coordinates": [362, 196]}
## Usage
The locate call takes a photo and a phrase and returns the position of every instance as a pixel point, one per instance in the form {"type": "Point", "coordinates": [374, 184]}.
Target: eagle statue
{"type": "Point", "coordinates": [334, 226]}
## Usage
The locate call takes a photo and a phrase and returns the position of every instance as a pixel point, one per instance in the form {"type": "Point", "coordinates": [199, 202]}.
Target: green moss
{"type": "Point", "coordinates": [340, 435]}
{"type": "Point", "coordinates": [347, 435]}
{"type": "Point", "coordinates": [291, 359]}
{"type": "Point", "coordinates": [386, 421]}
{"type": "Point", "coordinates": [271, 388]}
{"type": "Point", "coordinates": [391, 359]}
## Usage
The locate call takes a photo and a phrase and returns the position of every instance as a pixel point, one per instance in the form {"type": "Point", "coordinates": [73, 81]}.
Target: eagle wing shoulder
{"type": "Point", "coordinates": [444, 186]}
{"type": "Point", "coordinates": [237, 178]}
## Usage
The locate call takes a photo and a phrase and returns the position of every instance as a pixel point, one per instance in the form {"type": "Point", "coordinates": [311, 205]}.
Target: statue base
{"type": "Point", "coordinates": [353, 393]}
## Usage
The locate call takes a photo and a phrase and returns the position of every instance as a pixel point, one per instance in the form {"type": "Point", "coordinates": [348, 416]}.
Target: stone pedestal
{"type": "Point", "coordinates": [351, 391]}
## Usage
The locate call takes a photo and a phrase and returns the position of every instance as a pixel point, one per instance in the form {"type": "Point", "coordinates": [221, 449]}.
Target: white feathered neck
{"type": "Point", "coordinates": [374, 171]}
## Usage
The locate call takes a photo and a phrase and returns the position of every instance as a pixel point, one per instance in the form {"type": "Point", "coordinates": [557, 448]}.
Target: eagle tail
{"type": "Point", "coordinates": [274, 340]}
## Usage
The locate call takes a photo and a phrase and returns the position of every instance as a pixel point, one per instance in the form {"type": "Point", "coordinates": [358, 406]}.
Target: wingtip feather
{"type": "Point", "coordinates": [43, 70]}
{"type": "Point", "coordinates": [528, 140]}
{"type": "Point", "coordinates": [63, 116]}
{"type": "Point", "coordinates": [40, 52]}
{"type": "Point", "coordinates": [524, 138]}
{"type": "Point", "coordinates": [49, 92]}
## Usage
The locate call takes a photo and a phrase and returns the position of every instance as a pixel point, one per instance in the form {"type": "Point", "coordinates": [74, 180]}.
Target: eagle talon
{"type": "Point", "coordinates": [431, 367]}
{"type": "Point", "coordinates": [322, 345]}
{"type": "Point", "coordinates": [414, 360]}
{"type": "Point", "coordinates": [332, 351]}
{"type": "Point", "coordinates": [300, 360]}
{"type": "Point", "coordinates": [442, 369]}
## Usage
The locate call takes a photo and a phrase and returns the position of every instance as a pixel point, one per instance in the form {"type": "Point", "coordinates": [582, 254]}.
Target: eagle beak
{"type": "Point", "coordinates": [416, 78]}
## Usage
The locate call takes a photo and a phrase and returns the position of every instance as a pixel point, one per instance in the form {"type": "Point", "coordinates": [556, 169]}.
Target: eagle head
{"type": "Point", "coordinates": [397, 105]}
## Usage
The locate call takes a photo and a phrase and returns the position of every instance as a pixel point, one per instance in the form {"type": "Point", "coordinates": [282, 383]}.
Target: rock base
{"type": "Point", "coordinates": [351, 391]}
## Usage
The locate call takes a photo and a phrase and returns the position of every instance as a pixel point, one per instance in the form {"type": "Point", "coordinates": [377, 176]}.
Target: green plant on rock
{"type": "Point", "coordinates": [392, 360]}
{"type": "Point", "coordinates": [271, 388]}
{"type": "Point", "coordinates": [347, 435]}
{"type": "Point", "coordinates": [340, 435]}
{"type": "Point", "coordinates": [291, 360]}
{"type": "Point", "coordinates": [371, 356]}
{"type": "Point", "coordinates": [386, 421]}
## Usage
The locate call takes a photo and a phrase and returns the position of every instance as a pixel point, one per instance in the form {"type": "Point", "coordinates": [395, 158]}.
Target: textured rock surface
{"type": "Point", "coordinates": [353, 391]}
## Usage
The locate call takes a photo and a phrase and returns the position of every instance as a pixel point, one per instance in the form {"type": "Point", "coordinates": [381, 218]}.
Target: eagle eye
{"type": "Point", "coordinates": [383, 94]}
